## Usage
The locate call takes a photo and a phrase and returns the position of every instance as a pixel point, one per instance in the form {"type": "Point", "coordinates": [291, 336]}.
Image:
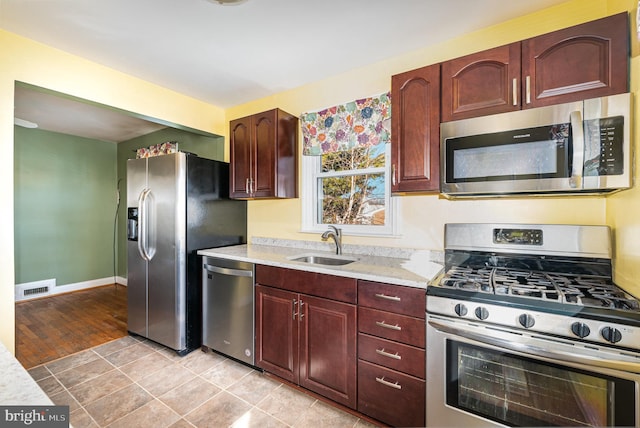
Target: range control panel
{"type": "Point", "coordinates": [517, 236]}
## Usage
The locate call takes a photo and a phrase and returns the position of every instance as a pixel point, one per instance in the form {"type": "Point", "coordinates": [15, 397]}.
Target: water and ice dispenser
{"type": "Point", "coordinates": [132, 224]}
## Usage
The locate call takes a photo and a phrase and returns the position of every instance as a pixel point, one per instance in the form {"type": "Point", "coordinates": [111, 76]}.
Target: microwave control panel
{"type": "Point", "coordinates": [603, 146]}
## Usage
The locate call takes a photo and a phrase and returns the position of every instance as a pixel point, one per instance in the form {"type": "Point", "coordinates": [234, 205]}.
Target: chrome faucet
{"type": "Point", "coordinates": [336, 234]}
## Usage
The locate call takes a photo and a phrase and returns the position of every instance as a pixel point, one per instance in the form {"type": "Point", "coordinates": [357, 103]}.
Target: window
{"type": "Point", "coordinates": [350, 189]}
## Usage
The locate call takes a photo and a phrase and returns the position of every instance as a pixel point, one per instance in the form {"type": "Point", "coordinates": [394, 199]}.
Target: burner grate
{"type": "Point", "coordinates": [583, 290]}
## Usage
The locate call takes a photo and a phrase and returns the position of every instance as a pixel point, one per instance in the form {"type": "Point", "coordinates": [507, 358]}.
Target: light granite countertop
{"type": "Point", "coordinates": [17, 387]}
{"type": "Point", "coordinates": [412, 268]}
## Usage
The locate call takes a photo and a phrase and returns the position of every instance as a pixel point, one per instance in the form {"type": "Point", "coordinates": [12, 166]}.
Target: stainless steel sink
{"type": "Point", "coordinates": [322, 260]}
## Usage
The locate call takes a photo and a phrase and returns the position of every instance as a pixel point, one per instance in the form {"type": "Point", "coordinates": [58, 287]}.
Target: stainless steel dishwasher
{"type": "Point", "coordinates": [228, 307]}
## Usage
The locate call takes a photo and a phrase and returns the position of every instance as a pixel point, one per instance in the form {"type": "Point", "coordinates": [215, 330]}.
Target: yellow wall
{"type": "Point", "coordinates": [422, 217]}
{"type": "Point", "coordinates": [26, 61]}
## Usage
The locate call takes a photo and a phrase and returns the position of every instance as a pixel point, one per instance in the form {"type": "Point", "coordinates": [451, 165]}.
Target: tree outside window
{"type": "Point", "coordinates": [351, 188]}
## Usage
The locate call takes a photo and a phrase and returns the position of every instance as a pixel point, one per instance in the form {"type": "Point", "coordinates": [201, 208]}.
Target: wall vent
{"type": "Point", "coordinates": [33, 290]}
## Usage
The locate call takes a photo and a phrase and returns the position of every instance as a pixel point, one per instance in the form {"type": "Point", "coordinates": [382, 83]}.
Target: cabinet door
{"type": "Point", "coordinates": [585, 61]}
{"type": "Point", "coordinates": [415, 132]}
{"type": "Point", "coordinates": [482, 83]}
{"type": "Point", "coordinates": [264, 128]}
{"type": "Point", "coordinates": [277, 332]}
{"type": "Point", "coordinates": [240, 157]}
{"type": "Point", "coordinates": [328, 349]}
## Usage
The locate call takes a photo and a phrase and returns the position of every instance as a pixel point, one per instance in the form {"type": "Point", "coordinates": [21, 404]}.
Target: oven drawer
{"type": "Point", "coordinates": [391, 326]}
{"type": "Point", "coordinates": [392, 298]}
{"type": "Point", "coordinates": [390, 396]}
{"type": "Point", "coordinates": [394, 355]}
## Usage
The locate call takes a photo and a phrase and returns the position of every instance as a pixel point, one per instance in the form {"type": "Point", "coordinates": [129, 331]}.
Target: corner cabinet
{"type": "Point", "coordinates": [415, 136]}
{"type": "Point", "coordinates": [306, 330]}
{"type": "Point", "coordinates": [584, 61]}
{"type": "Point", "coordinates": [264, 156]}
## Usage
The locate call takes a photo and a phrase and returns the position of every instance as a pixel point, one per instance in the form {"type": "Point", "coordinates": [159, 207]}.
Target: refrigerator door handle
{"type": "Point", "coordinates": [142, 224]}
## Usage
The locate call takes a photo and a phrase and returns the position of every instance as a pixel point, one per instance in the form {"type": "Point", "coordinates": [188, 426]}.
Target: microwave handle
{"type": "Point", "coordinates": [575, 181]}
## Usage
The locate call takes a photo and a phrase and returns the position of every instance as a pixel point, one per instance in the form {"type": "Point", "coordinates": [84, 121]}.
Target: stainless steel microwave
{"type": "Point", "coordinates": [579, 147]}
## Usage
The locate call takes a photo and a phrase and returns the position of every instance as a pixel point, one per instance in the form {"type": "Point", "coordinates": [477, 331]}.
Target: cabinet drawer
{"type": "Point", "coordinates": [396, 327]}
{"type": "Point", "coordinates": [393, 298]}
{"type": "Point", "coordinates": [331, 287]}
{"type": "Point", "coordinates": [394, 355]}
{"type": "Point", "coordinates": [390, 396]}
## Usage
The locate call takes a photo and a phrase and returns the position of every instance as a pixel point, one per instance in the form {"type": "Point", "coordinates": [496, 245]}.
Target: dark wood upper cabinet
{"type": "Point", "coordinates": [584, 61]}
{"type": "Point", "coordinates": [264, 155]}
{"type": "Point", "coordinates": [415, 136]}
{"type": "Point", "coordinates": [482, 83]}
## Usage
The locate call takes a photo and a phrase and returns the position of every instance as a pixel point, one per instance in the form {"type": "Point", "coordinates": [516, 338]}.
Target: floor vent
{"type": "Point", "coordinates": [35, 289]}
{"type": "Point", "coordinates": [38, 290]}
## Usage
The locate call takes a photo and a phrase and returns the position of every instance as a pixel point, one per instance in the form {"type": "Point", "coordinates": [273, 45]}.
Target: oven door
{"type": "Point", "coordinates": [479, 375]}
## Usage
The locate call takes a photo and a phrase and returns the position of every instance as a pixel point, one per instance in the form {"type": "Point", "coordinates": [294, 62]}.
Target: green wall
{"type": "Point", "coordinates": [203, 146]}
{"type": "Point", "coordinates": [65, 202]}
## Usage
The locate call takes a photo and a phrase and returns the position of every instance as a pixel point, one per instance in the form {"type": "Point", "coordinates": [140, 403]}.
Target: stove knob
{"type": "Point", "coordinates": [461, 310]}
{"type": "Point", "coordinates": [611, 334]}
{"type": "Point", "coordinates": [482, 313]}
{"type": "Point", "coordinates": [526, 320]}
{"type": "Point", "coordinates": [580, 329]}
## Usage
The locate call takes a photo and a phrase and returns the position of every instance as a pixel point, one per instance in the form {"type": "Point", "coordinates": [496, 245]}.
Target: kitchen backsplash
{"type": "Point", "coordinates": [368, 250]}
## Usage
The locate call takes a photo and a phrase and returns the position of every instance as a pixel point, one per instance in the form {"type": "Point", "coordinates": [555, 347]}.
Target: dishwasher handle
{"type": "Point", "coordinates": [228, 271]}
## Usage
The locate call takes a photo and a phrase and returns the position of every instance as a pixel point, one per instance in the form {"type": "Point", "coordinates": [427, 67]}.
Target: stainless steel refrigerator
{"type": "Point", "coordinates": [176, 205]}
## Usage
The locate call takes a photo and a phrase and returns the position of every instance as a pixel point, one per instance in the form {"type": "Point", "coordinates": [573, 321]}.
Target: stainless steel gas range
{"type": "Point", "coordinates": [525, 327]}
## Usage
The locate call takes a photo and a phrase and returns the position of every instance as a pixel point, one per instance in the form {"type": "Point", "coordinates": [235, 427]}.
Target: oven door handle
{"type": "Point", "coordinates": [627, 364]}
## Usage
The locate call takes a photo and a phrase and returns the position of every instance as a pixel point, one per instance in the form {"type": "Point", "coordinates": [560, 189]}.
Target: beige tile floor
{"type": "Point", "coordinates": [131, 382]}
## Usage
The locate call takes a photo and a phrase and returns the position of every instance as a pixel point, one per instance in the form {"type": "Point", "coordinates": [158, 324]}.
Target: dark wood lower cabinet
{"type": "Point", "coordinates": [391, 396]}
{"type": "Point", "coordinates": [276, 333]}
{"type": "Point", "coordinates": [309, 341]}
{"type": "Point", "coordinates": [391, 353]}
{"type": "Point", "coordinates": [328, 349]}
{"type": "Point", "coordinates": [369, 357]}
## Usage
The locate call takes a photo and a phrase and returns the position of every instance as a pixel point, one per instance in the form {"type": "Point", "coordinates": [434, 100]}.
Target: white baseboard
{"type": "Point", "coordinates": [52, 289]}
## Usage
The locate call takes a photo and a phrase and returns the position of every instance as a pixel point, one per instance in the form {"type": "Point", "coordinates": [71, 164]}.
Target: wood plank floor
{"type": "Point", "coordinates": [57, 326]}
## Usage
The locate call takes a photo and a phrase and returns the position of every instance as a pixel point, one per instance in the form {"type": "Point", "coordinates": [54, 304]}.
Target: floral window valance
{"type": "Point", "coordinates": [363, 122]}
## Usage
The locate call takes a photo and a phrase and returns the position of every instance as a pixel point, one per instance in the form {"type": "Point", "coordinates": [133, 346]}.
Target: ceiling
{"type": "Point", "coordinates": [229, 55]}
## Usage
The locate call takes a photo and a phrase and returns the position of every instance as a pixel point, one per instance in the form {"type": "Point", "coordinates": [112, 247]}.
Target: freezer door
{"type": "Point", "coordinates": [166, 244]}
{"type": "Point", "coordinates": [136, 265]}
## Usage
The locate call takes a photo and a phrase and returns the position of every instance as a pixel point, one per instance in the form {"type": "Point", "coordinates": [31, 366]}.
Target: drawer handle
{"type": "Point", "coordinates": [389, 326]}
{"type": "Point", "coordinates": [392, 298]}
{"type": "Point", "coordinates": [384, 353]}
{"type": "Point", "coordinates": [395, 385]}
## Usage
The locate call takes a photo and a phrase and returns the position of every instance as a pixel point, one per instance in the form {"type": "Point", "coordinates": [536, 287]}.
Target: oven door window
{"type": "Point", "coordinates": [519, 391]}
{"type": "Point", "coordinates": [525, 154]}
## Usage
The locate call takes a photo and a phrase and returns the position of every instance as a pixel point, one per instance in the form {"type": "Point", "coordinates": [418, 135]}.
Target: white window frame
{"type": "Point", "coordinates": [311, 176]}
